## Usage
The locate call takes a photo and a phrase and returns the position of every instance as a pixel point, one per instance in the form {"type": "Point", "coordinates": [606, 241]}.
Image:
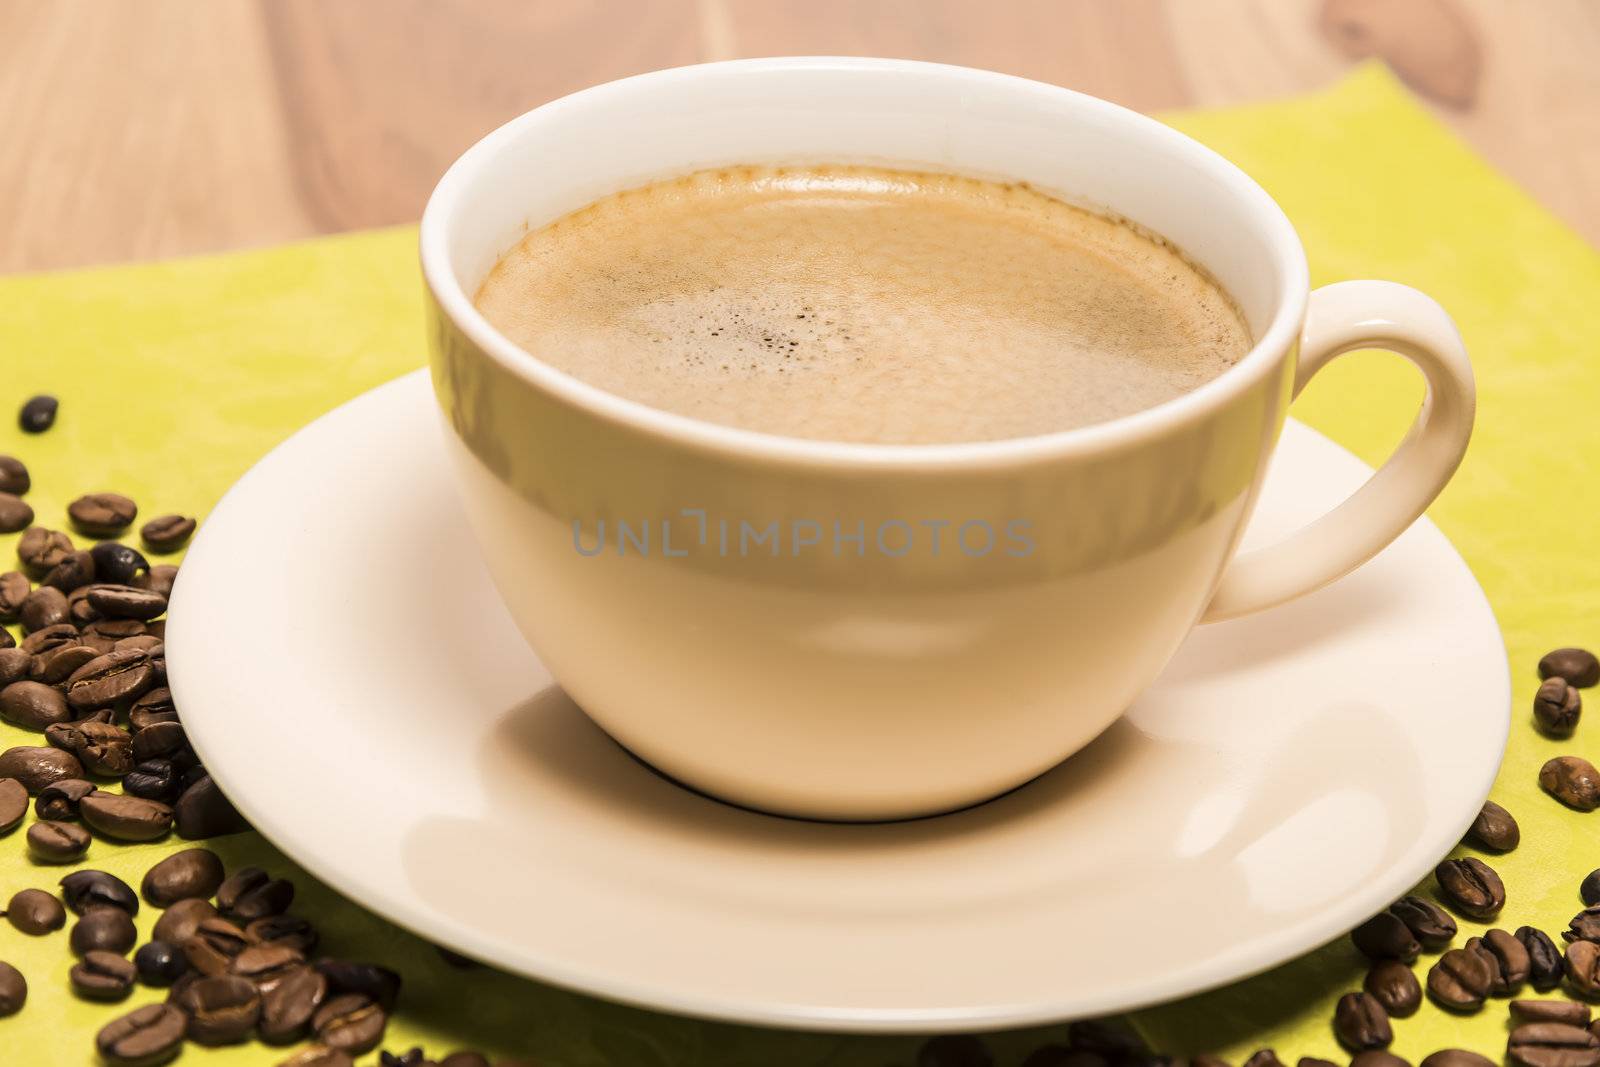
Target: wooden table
{"type": "Point", "coordinates": [149, 128]}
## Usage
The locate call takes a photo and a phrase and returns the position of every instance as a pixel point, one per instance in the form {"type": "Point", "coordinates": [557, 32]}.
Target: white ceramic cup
{"type": "Point", "coordinates": [831, 676]}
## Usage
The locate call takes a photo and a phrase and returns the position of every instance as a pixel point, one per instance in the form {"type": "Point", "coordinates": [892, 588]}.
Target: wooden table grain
{"type": "Point", "coordinates": [152, 128]}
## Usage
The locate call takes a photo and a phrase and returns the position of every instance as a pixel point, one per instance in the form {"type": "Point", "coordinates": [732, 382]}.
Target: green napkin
{"type": "Point", "coordinates": [176, 377]}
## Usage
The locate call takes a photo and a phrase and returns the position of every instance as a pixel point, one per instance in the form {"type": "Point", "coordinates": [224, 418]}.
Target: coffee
{"type": "Point", "coordinates": [859, 304]}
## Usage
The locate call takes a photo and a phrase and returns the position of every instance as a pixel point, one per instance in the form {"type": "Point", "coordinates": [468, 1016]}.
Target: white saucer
{"type": "Point", "coordinates": [349, 675]}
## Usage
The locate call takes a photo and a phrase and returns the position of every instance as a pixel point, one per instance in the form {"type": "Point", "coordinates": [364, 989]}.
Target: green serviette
{"type": "Point", "coordinates": [176, 377]}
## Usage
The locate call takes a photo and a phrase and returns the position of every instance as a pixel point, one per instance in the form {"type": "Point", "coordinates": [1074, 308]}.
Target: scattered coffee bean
{"type": "Point", "coordinates": [1557, 707]}
{"type": "Point", "coordinates": [1455, 1057]}
{"type": "Point", "coordinates": [127, 602]}
{"type": "Point", "coordinates": [6, 640]}
{"type": "Point", "coordinates": [1471, 887]}
{"type": "Point", "coordinates": [57, 842]}
{"type": "Point", "coordinates": [412, 1057]}
{"type": "Point", "coordinates": [51, 637]}
{"type": "Point", "coordinates": [145, 1037]}
{"type": "Point", "coordinates": [1577, 665]}
{"type": "Point", "coordinates": [351, 1022]}
{"type": "Point", "coordinates": [56, 666]}
{"type": "Point", "coordinates": [33, 705]}
{"type": "Point", "coordinates": [102, 514]}
{"type": "Point", "coordinates": [13, 990]}
{"type": "Point", "coordinates": [1494, 830]}
{"type": "Point", "coordinates": [14, 589]}
{"type": "Point", "coordinates": [222, 1009]}
{"type": "Point", "coordinates": [103, 929]}
{"type": "Point", "coordinates": [318, 1056]}
{"type": "Point", "coordinates": [1360, 1023]}
{"type": "Point", "coordinates": [1583, 969]}
{"type": "Point", "coordinates": [383, 986]}
{"type": "Point", "coordinates": [1264, 1057]}
{"type": "Point", "coordinates": [167, 533]}
{"type": "Point", "coordinates": [15, 514]}
{"type": "Point", "coordinates": [1392, 984]}
{"type": "Point", "coordinates": [125, 818]}
{"type": "Point", "coordinates": [103, 749]}
{"type": "Point", "coordinates": [15, 664]}
{"type": "Point", "coordinates": [58, 801]}
{"type": "Point", "coordinates": [35, 912]}
{"type": "Point", "coordinates": [153, 707]}
{"type": "Point", "coordinates": [162, 740]}
{"type": "Point", "coordinates": [84, 891]}
{"type": "Point", "coordinates": [14, 476]}
{"type": "Point", "coordinates": [159, 579]}
{"type": "Point", "coordinates": [155, 779]}
{"type": "Point", "coordinates": [203, 812]}
{"type": "Point", "coordinates": [45, 607]}
{"type": "Point", "coordinates": [1512, 962]}
{"type": "Point", "coordinates": [288, 930]}
{"type": "Point", "coordinates": [1549, 1011]}
{"type": "Point", "coordinates": [114, 678]}
{"type": "Point", "coordinates": [1585, 926]}
{"type": "Point", "coordinates": [214, 944]}
{"type": "Point", "coordinates": [266, 965]}
{"type": "Point", "coordinates": [1552, 1045]}
{"type": "Point", "coordinates": [289, 1005]}
{"type": "Point", "coordinates": [41, 549]}
{"type": "Point", "coordinates": [70, 575]}
{"type": "Point", "coordinates": [252, 894]}
{"type": "Point", "coordinates": [38, 414]}
{"type": "Point", "coordinates": [1572, 780]}
{"type": "Point", "coordinates": [13, 804]}
{"type": "Point", "coordinates": [160, 963]}
{"type": "Point", "coordinates": [117, 563]}
{"type": "Point", "coordinates": [478, 1059]}
{"type": "Point", "coordinates": [182, 921]}
{"type": "Point", "coordinates": [38, 767]}
{"type": "Point", "coordinates": [1386, 937]}
{"type": "Point", "coordinates": [1377, 1058]}
{"type": "Point", "coordinates": [194, 872]}
{"type": "Point", "coordinates": [103, 634]}
{"type": "Point", "coordinates": [102, 976]}
{"type": "Point", "coordinates": [81, 613]}
{"type": "Point", "coordinates": [1460, 980]}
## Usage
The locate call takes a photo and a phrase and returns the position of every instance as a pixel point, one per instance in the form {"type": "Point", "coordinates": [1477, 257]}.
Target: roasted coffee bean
{"type": "Point", "coordinates": [222, 1009]}
{"type": "Point", "coordinates": [153, 707]}
{"type": "Point", "coordinates": [1557, 707]}
{"type": "Point", "coordinates": [1430, 924]}
{"type": "Point", "coordinates": [1577, 665]}
{"type": "Point", "coordinates": [117, 563]}
{"type": "Point", "coordinates": [412, 1057]}
{"type": "Point", "coordinates": [13, 990]}
{"type": "Point", "coordinates": [287, 1008]}
{"type": "Point", "coordinates": [160, 963]}
{"type": "Point", "coordinates": [125, 818]}
{"type": "Point", "coordinates": [1455, 1057]}
{"type": "Point", "coordinates": [1263, 1057]}
{"type": "Point", "coordinates": [13, 804]}
{"type": "Point", "coordinates": [57, 665]}
{"type": "Point", "coordinates": [1585, 926]}
{"type": "Point", "coordinates": [38, 414]}
{"type": "Point", "coordinates": [1552, 1045]}
{"type": "Point", "coordinates": [145, 1037]}
{"type": "Point", "coordinates": [353, 1023]}
{"type": "Point", "coordinates": [58, 801]}
{"type": "Point", "coordinates": [37, 767]}
{"type": "Point", "coordinates": [287, 930]}
{"type": "Point", "coordinates": [33, 705]}
{"type": "Point", "coordinates": [1392, 984]}
{"type": "Point", "coordinates": [14, 476]}
{"type": "Point", "coordinates": [57, 842]}
{"type": "Point", "coordinates": [102, 514]}
{"type": "Point", "coordinates": [103, 749]}
{"type": "Point", "coordinates": [81, 613]}
{"type": "Point", "coordinates": [1386, 937]}
{"type": "Point", "coordinates": [14, 589]}
{"type": "Point", "coordinates": [1549, 1011]}
{"type": "Point", "coordinates": [1360, 1023]}
{"type": "Point", "coordinates": [252, 894]}
{"type": "Point", "coordinates": [478, 1059]}
{"type": "Point", "coordinates": [1494, 830]}
{"type": "Point", "coordinates": [35, 912]}
{"type": "Point", "coordinates": [161, 740]}
{"type": "Point", "coordinates": [113, 678]}
{"type": "Point", "coordinates": [15, 665]}
{"type": "Point", "coordinates": [45, 607]}
{"type": "Point", "coordinates": [127, 602]}
{"type": "Point", "coordinates": [102, 976]}
{"type": "Point", "coordinates": [1471, 887]}
{"type": "Point", "coordinates": [266, 965]}
{"type": "Point", "coordinates": [105, 633]}
{"type": "Point", "coordinates": [203, 812]}
{"type": "Point", "coordinates": [153, 780]}
{"type": "Point", "coordinates": [144, 643]}
{"type": "Point", "coordinates": [383, 986]}
{"type": "Point", "coordinates": [182, 920]}
{"type": "Point", "coordinates": [214, 944]}
{"type": "Point", "coordinates": [1460, 980]}
{"type": "Point", "coordinates": [1572, 780]}
{"type": "Point", "coordinates": [1512, 962]}
{"type": "Point", "coordinates": [1377, 1058]}
{"type": "Point", "coordinates": [167, 533]}
{"type": "Point", "coordinates": [159, 579]}
{"type": "Point", "coordinates": [319, 1056]}
{"type": "Point", "coordinates": [40, 549]}
{"type": "Point", "coordinates": [1582, 964]}
{"type": "Point", "coordinates": [50, 638]}
{"type": "Point", "coordinates": [6, 640]}
{"type": "Point", "coordinates": [72, 573]}
{"type": "Point", "coordinates": [84, 891]}
{"type": "Point", "coordinates": [158, 663]}
{"type": "Point", "coordinates": [15, 514]}
{"type": "Point", "coordinates": [103, 929]}
{"type": "Point", "coordinates": [194, 872]}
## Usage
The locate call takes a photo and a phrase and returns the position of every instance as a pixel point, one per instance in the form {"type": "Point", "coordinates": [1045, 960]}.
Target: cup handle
{"type": "Point", "coordinates": [1342, 318]}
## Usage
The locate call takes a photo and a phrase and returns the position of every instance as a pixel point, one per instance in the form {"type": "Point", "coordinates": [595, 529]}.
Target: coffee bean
{"type": "Point", "coordinates": [37, 767]}
{"type": "Point", "coordinates": [103, 929]}
{"type": "Point", "coordinates": [57, 842]}
{"type": "Point", "coordinates": [353, 1023]}
{"type": "Point", "coordinates": [153, 780]}
{"type": "Point", "coordinates": [86, 890]}
{"type": "Point", "coordinates": [182, 920]}
{"type": "Point", "coordinates": [102, 514]}
{"type": "Point", "coordinates": [1577, 665]}
{"type": "Point", "coordinates": [383, 986]}
{"type": "Point", "coordinates": [71, 574]}
{"type": "Point", "coordinates": [252, 894]}
{"type": "Point", "coordinates": [14, 476]}
{"type": "Point", "coordinates": [153, 707]}
{"type": "Point", "coordinates": [103, 634]}
{"type": "Point", "coordinates": [287, 930]}
{"type": "Point", "coordinates": [13, 804]}
{"type": "Point", "coordinates": [38, 414]}
{"type": "Point", "coordinates": [1392, 984]}
{"type": "Point", "coordinates": [45, 607]}
{"type": "Point", "coordinates": [6, 640]}
{"type": "Point", "coordinates": [125, 818]}
{"type": "Point", "coordinates": [1460, 980]}
{"type": "Point", "coordinates": [33, 705]}
{"type": "Point", "coordinates": [15, 664]}
{"type": "Point", "coordinates": [14, 589]}
{"type": "Point", "coordinates": [1557, 707]}
{"type": "Point", "coordinates": [203, 812]}
{"type": "Point", "coordinates": [1494, 830]}
{"type": "Point", "coordinates": [159, 579]}
{"type": "Point", "coordinates": [58, 801]}
{"type": "Point", "coordinates": [1585, 926]}
{"type": "Point", "coordinates": [13, 990]}
{"type": "Point", "coordinates": [160, 963]}
{"type": "Point", "coordinates": [82, 614]}
{"type": "Point", "coordinates": [15, 514]}
{"type": "Point", "coordinates": [145, 1037]}
{"type": "Point", "coordinates": [266, 965]}
{"type": "Point", "coordinates": [1512, 962]}
{"type": "Point", "coordinates": [102, 976]}
{"type": "Point", "coordinates": [222, 1009]}
{"type": "Point", "coordinates": [50, 638]}
{"type": "Point", "coordinates": [1572, 780]}
{"type": "Point", "coordinates": [319, 1056]}
{"type": "Point", "coordinates": [57, 665]}
{"type": "Point", "coordinates": [117, 563]}
{"type": "Point", "coordinates": [478, 1059]}
{"type": "Point", "coordinates": [288, 1007]}
{"type": "Point", "coordinates": [412, 1057]}
{"type": "Point", "coordinates": [194, 872]}
{"type": "Point", "coordinates": [1360, 1023]}
{"type": "Point", "coordinates": [41, 549]}
{"type": "Point", "coordinates": [214, 944]}
{"type": "Point", "coordinates": [1385, 937]}
{"type": "Point", "coordinates": [127, 602]}
{"type": "Point", "coordinates": [1455, 1057]}
{"type": "Point", "coordinates": [1552, 1045]}
{"type": "Point", "coordinates": [103, 749]}
{"type": "Point", "coordinates": [1549, 1011]}
{"type": "Point", "coordinates": [113, 678]}
{"type": "Point", "coordinates": [35, 912]}
{"type": "Point", "coordinates": [1583, 969]}
{"type": "Point", "coordinates": [1471, 887]}
{"type": "Point", "coordinates": [167, 533]}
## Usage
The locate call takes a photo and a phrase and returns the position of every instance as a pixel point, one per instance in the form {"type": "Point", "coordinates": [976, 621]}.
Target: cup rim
{"type": "Point", "coordinates": [1287, 260]}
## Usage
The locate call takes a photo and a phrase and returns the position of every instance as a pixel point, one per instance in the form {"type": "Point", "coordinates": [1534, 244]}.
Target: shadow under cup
{"type": "Point", "coordinates": [851, 631]}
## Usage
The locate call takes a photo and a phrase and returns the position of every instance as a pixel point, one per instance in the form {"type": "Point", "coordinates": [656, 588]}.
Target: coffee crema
{"type": "Point", "coordinates": [860, 304]}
